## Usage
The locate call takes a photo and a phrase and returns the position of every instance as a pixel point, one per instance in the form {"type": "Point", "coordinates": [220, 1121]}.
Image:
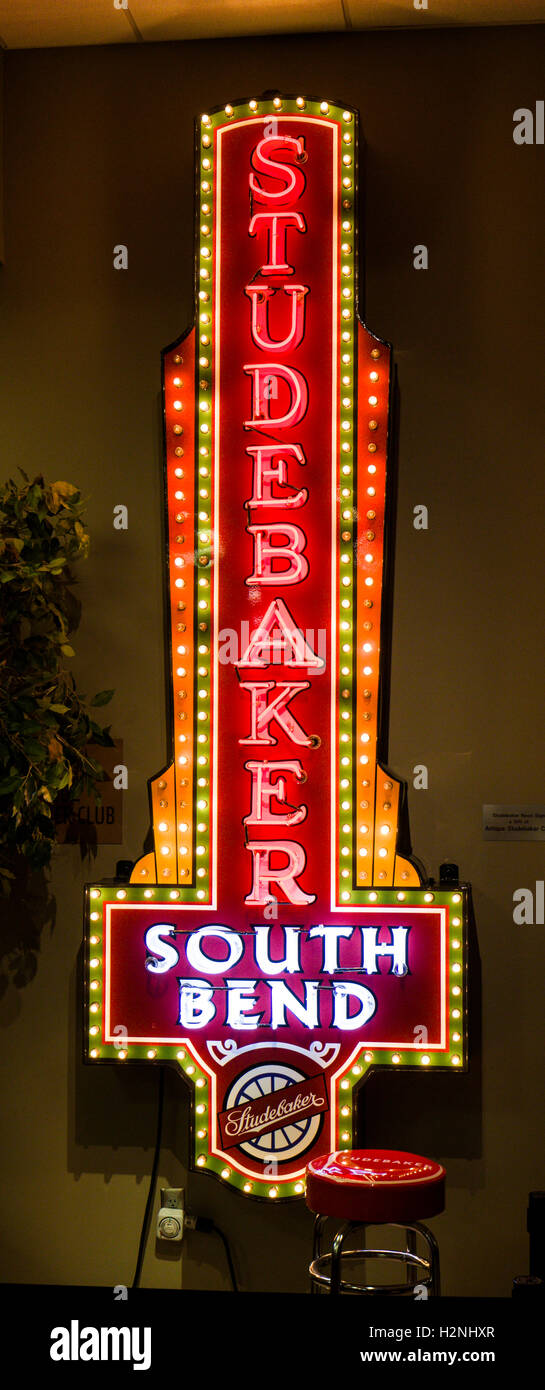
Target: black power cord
{"type": "Point", "coordinates": [205, 1223]}
{"type": "Point", "coordinates": [153, 1180]}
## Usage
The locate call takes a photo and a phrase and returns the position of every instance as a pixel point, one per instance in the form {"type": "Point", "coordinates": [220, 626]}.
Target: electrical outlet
{"type": "Point", "coordinates": [172, 1197]}
{"type": "Point", "coordinates": [170, 1217]}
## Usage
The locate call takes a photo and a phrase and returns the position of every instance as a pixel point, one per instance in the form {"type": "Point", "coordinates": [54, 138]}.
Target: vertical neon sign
{"type": "Point", "coordinates": [278, 941]}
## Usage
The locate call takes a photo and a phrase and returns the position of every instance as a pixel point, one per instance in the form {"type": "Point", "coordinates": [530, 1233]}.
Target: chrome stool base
{"type": "Point", "coordinates": [327, 1268]}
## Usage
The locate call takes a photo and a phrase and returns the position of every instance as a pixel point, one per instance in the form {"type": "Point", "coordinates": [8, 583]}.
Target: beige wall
{"type": "Point", "coordinates": [99, 150]}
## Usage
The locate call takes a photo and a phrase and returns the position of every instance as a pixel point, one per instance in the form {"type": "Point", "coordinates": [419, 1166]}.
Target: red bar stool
{"type": "Point", "coordinates": [375, 1187]}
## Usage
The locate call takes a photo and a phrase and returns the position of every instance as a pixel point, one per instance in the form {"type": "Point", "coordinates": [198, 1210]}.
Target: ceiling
{"type": "Point", "coordinates": [63, 23]}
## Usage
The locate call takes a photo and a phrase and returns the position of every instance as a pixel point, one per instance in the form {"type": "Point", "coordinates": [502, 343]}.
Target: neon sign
{"type": "Point", "coordinates": [279, 941]}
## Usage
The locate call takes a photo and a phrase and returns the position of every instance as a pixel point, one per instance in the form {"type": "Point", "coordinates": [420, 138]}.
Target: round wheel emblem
{"type": "Point", "coordinates": [282, 1144]}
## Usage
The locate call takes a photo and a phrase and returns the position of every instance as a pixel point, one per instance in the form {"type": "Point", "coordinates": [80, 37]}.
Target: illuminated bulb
{"type": "Point", "coordinates": [94, 916]}
{"type": "Point", "coordinates": [226, 1172]}
{"type": "Point", "coordinates": [228, 110]}
{"type": "Point", "coordinates": [347, 116]}
{"type": "Point", "coordinates": [205, 120]}
{"type": "Point", "coordinates": [300, 103]}
{"type": "Point", "coordinates": [94, 962]}
{"type": "Point", "coordinates": [456, 898]}
{"type": "Point", "coordinates": [273, 1192]}
{"type": "Point", "coordinates": [385, 830]}
{"type": "Point", "coordinates": [148, 893]}
{"type": "Point", "coordinates": [373, 400]}
{"type": "Point", "coordinates": [277, 103]}
{"type": "Point", "coordinates": [425, 1061]}
{"type": "Point", "coordinates": [455, 1061]}
{"type": "Point", "coordinates": [247, 1186]}
{"type": "Point", "coordinates": [201, 1161]}
{"type": "Point", "coordinates": [396, 1057]}
{"type": "Point", "coordinates": [368, 1056]}
{"type": "Point", "coordinates": [324, 107]}
{"type": "Point", "coordinates": [151, 1053]}
{"type": "Point", "coordinates": [121, 893]}
{"type": "Point", "coordinates": [252, 105]}
{"type": "Point", "coordinates": [94, 1052]}
{"type": "Point", "coordinates": [175, 893]}
{"type": "Point", "coordinates": [95, 892]}
{"type": "Point", "coordinates": [94, 940]}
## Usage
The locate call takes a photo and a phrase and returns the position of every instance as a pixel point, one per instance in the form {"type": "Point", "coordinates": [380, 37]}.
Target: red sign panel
{"type": "Point", "coordinates": [279, 940]}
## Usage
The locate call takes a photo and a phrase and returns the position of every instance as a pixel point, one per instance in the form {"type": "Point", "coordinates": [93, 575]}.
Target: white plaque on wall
{"type": "Point", "coordinates": [514, 822]}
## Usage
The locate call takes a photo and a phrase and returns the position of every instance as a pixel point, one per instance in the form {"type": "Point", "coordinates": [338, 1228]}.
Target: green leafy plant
{"type": "Point", "coordinates": [45, 722]}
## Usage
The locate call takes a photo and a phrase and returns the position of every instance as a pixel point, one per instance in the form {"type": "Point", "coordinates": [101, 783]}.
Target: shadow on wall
{"type": "Point", "coordinates": [113, 1109]}
{"type": "Point", "coordinates": [27, 908]}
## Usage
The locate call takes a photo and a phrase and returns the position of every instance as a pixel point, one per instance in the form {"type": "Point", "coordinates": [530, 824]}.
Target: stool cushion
{"type": "Point", "coordinates": [375, 1185]}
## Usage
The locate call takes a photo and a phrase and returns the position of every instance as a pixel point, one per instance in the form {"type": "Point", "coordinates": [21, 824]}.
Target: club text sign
{"type": "Point", "coordinates": [279, 940]}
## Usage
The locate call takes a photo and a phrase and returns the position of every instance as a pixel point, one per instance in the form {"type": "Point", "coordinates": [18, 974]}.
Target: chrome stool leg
{"type": "Point", "coordinates": [433, 1254]}
{"type": "Point", "coordinates": [319, 1224]}
{"type": "Point", "coordinates": [336, 1256]}
{"type": "Point", "coordinates": [410, 1236]}
{"type": "Point", "coordinates": [326, 1270]}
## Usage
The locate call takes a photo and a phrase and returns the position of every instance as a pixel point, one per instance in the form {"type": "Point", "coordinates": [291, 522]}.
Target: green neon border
{"type": "Point", "coordinates": [457, 899]}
